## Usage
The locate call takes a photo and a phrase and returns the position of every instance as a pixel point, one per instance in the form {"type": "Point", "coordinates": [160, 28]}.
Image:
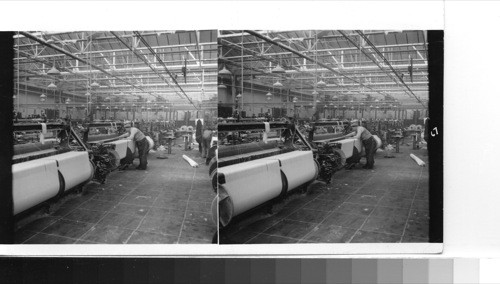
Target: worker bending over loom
{"type": "Point", "coordinates": [141, 143]}
{"type": "Point", "coordinates": [359, 132]}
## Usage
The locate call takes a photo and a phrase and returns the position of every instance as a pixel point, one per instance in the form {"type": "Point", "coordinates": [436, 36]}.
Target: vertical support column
{"type": "Point", "coordinates": [233, 91]}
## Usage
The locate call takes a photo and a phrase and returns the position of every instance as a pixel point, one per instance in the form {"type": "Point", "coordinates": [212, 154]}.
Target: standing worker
{"type": "Point", "coordinates": [141, 143]}
{"type": "Point", "coordinates": [199, 134]}
{"type": "Point", "coordinates": [359, 132]}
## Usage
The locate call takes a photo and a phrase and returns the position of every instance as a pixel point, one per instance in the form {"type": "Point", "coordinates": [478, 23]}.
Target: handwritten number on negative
{"type": "Point", "coordinates": [432, 132]}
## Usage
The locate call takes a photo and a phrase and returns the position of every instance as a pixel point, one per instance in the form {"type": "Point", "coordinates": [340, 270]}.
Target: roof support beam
{"type": "Point", "coordinates": [307, 57]}
{"type": "Point", "coordinates": [43, 42]}
{"type": "Point", "coordinates": [390, 66]}
{"type": "Point", "coordinates": [139, 36]}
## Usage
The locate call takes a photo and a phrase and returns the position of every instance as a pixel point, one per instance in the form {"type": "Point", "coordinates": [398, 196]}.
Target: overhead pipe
{"type": "Point", "coordinates": [109, 37]}
{"type": "Point", "coordinates": [308, 58]}
{"type": "Point", "coordinates": [123, 70]}
{"type": "Point", "coordinates": [43, 42]}
{"type": "Point", "coordinates": [303, 38]}
{"type": "Point", "coordinates": [342, 49]}
{"type": "Point", "coordinates": [118, 52]}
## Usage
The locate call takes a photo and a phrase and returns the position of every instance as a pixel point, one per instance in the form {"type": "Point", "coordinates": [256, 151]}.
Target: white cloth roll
{"type": "Point", "coordinates": [44, 128]}
{"type": "Point", "coordinates": [74, 166]}
{"type": "Point", "coordinates": [347, 146]}
{"type": "Point", "coordinates": [266, 131]}
{"type": "Point", "coordinates": [121, 147]}
{"type": "Point", "coordinates": [33, 182]}
{"type": "Point", "coordinates": [252, 183]}
{"type": "Point", "coordinates": [191, 162]}
{"type": "Point", "coordinates": [417, 160]}
{"type": "Point", "coordinates": [151, 142]}
{"type": "Point", "coordinates": [378, 140]}
{"type": "Point", "coordinates": [298, 167]}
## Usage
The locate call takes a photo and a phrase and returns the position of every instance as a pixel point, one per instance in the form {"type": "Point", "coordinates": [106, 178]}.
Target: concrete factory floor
{"type": "Point", "coordinates": [389, 204]}
{"type": "Point", "coordinates": [167, 204]}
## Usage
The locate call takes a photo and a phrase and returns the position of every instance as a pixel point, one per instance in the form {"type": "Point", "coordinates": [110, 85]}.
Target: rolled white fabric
{"type": "Point", "coordinates": [250, 184]}
{"type": "Point", "coordinates": [150, 142]}
{"type": "Point", "coordinates": [120, 147]}
{"type": "Point", "coordinates": [44, 131]}
{"type": "Point", "coordinates": [43, 174]}
{"type": "Point", "coordinates": [417, 160]}
{"type": "Point", "coordinates": [266, 131]}
{"type": "Point", "coordinates": [296, 175]}
{"type": "Point", "coordinates": [44, 128]}
{"type": "Point", "coordinates": [190, 161]}
{"type": "Point", "coordinates": [74, 167]}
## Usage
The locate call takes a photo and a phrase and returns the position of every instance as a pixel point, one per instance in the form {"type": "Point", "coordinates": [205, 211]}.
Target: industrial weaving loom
{"type": "Point", "coordinates": [352, 150]}
{"type": "Point", "coordinates": [257, 173]}
{"type": "Point", "coordinates": [49, 166]}
{"type": "Point", "coordinates": [52, 158]}
{"type": "Point", "coordinates": [110, 151]}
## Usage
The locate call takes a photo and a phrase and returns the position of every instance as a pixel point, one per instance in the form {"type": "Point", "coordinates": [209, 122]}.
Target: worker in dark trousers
{"type": "Point", "coordinates": [141, 143]}
{"type": "Point", "coordinates": [359, 132]}
{"type": "Point", "coordinates": [199, 134]}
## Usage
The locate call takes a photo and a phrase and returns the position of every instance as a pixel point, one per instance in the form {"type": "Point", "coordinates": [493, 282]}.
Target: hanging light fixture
{"type": "Point", "coordinates": [269, 95]}
{"type": "Point", "coordinates": [225, 71]}
{"type": "Point", "coordinates": [321, 84]}
{"type": "Point", "coordinates": [278, 69]}
{"type": "Point", "coordinates": [95, 85]}
{"type": "Point", "coordinates": [314, 93]}
{"type": "Point", "coordinates": [238, 96]}
{"type": "Point", "coordinates": [278, 84]}
{"type": "Point", "coordinates": [97, 107]}
{"type": "Point", "coordinates": [68, 100]}
{"type": "Point", "coordinates": [107, 108]}
{"type": "Point", "coordinates": [52, 86]}
{"type": "Point", "coordinates": [295, 99]}
{"type": "Point", "coordinates": [43, 96]}
{"type": "Point", "coordinates": [53, 71]}
{"type": "Point", "coordinates": [318, 101]}
{"type": "Point", "coordinates": [222, 86]}
{"type": "Point", "coordinates": [87, 94]}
